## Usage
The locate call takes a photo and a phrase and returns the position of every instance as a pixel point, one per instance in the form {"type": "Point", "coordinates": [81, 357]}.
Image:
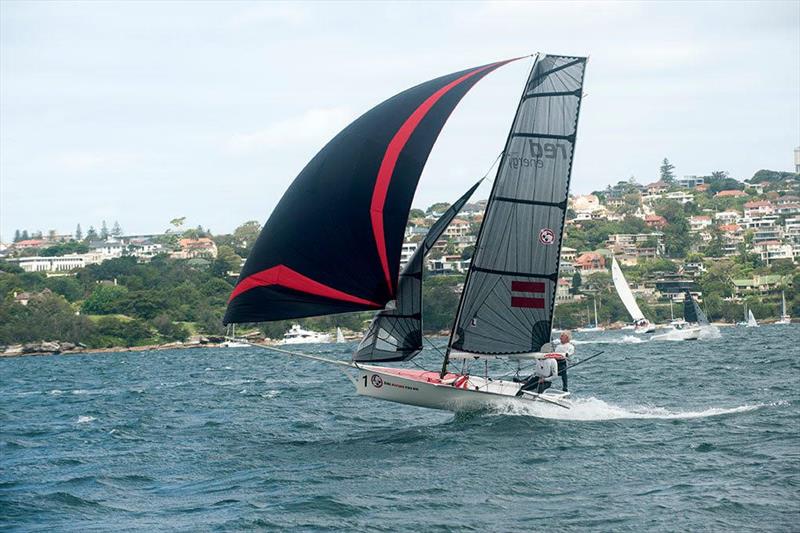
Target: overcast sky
{"type": "Point", "coordinates": [145, 111]}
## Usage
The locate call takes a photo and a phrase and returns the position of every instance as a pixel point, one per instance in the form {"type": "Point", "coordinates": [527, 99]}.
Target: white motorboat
{"type": "Point", "coordinates": [298, 335]}
{"type": "Point", "coordinates": [349, 208]}
{"type": "Point", "coordinates": [678, 331]}
{"type": "Point", "coordinates": [690, 328]}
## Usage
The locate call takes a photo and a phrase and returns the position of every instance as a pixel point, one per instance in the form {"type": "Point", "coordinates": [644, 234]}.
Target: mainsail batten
{"type": "Point", "coordinates": [520, 239]}
{"type": "Point", "coordinates": [396, 334]}
{"type": "Point", "coordinates": [339, 227]}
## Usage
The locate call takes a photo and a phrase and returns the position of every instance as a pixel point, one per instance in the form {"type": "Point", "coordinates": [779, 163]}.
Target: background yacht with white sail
{"type": "Point", "coordinates": [640, 323]}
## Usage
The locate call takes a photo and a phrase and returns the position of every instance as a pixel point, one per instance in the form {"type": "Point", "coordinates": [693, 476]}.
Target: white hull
{"type": "Point", "coordinates": [590, 330]}
{"type": "Point", "coordinates": [685, 334]}
{"type": "Point", "coordinates": [234, 344]}
{"type": "Point", "coordinates": [315, 339]}
{"type": "Point", "coordinates": [784, 320]}
{"type": "Point", "coordinates": [650, 328]}
{"type": "Point", "coordinates": [475, 394]}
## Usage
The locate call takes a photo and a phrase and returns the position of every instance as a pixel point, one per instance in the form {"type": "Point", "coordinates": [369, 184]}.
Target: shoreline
{"type": "Point", "coordinates": [116, 349]}
{"type": "Point", "coordinates": [17, 350]}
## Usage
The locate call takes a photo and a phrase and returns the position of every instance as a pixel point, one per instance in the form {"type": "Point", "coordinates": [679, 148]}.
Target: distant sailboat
{"type": "Point", "coordinates": [592, 327]}
{"type": "Point", "coordinates": [785, 318]}
{"type": "Point", "coordinates": [339, 336]}
{"type": "Point", "coordinates": [751, 320]}
{"type": "Point", "coordinates": [641, 324]}
{"type": "Point", "coordinates": [231, 340]}
{"type": "Point", "coordinates": [333, 243]}
{"type": "Point", "coordinates": [688, 328]}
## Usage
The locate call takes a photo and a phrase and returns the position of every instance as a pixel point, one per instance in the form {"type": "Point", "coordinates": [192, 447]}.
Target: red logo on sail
{"type": "Point", "coordinates": [527, 288]}
{"type": "Point", "coordinates": [547, 236]}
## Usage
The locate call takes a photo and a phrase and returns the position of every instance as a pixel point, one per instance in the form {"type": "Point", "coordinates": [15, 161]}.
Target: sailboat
{"type": "Point", "coordinates": [592, 327]}
{"type": "Point", "coordinates": [332, 244]}
{"type": "Point", "coordinates": [339, 336]}
{"type": "Point", "coordinates": [641, 324]}
{"type": "Point", "coordinates": [785, 318]}
{"type": "Point", "coordinates": [231, 341]}
{"type": "Point", "coordinates": [688, 328]}
{"type": "Point", "coordinates": [751, 320]}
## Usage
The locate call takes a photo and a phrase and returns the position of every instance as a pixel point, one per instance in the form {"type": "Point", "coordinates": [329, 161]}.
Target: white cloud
{"type": "Point", "coordinates": [313, 126]}
{"type": "Point", "coordinates": [80, 161]}
{"type": "Point", "coordinates": [284, 13]}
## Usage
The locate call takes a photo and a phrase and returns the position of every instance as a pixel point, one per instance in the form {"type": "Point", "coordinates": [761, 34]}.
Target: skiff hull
{"type": "Point", "coordinates": [454, 393]}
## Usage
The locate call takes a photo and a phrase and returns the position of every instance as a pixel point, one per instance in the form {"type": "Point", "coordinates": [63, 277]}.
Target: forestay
{"type": "Point", "coordinates": [508, 299]}
{"type": "Point", "coordinates": [395, 334]}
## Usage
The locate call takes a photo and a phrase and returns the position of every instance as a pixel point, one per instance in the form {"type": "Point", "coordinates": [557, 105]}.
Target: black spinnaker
{"type": "Point", "coordinates": [395, 334]}
{"type": "Point", "coordinates": [509, 295]}
{"type": "Point", "coordinates": [692, 312]}
{"type": "Point", "coordinates": [333, 242]}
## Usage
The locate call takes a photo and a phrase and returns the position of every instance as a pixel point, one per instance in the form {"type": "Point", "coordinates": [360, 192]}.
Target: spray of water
{"type": "Point", "coordinates": [593, 409]}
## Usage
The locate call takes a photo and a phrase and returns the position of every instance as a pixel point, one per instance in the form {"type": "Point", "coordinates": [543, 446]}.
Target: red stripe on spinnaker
{"type": "Point", "coordinates": [389, 161]}
{"type": "Point", "coordinates": [527, 286]}
{"type": "Point", "coordinates": [534, 303]}
{"type": "Point", "coordinates": [284, 276]}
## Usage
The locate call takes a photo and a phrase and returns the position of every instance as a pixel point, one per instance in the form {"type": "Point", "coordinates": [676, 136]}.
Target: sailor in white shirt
{"type": "Point", "coordinates": [566, 349]}
{"type": "Point", "coordinates": [542, 378]}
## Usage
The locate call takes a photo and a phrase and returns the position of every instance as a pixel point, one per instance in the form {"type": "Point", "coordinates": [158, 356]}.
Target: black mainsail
{"type": "Point", "coordinates": [692, 312]}
{"type": "Point", "coordinates": [395, 334]}
{"type": "Point", "coordinates": [509, 294]}
{"type": "Point", "coordinates": [333, 242]}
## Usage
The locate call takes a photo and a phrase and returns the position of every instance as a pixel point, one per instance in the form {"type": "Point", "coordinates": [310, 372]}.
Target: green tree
{"type": "Point", "coordinates": [416, 213]}
{"type": "Point", "coordinates": [667, 172]}
{"type": "Point", "coordinates": [576, 283]}
{"type": "Point", "coordinates": [244, 237]}
{"type": "Point", "coordinates": [116, 230]}
{"type": "Point", "coordinates": [78, 233]}
{"type": "Point", "coordinates": [438, 207]}
{"type": "Point", "coordinates": [105, 300]}
{"type": "Point", "coordinates": [104, 231]}
{"type": "Point", "coordinates": [91, 235]}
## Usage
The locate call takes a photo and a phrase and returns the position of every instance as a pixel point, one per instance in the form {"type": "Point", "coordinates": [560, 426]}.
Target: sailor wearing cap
{"type": "Point", "coordinates": [542, 378]}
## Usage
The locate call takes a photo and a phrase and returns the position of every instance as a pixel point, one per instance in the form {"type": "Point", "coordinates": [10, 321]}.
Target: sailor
{"type": "Point", "coordinates": [563, 352]}
{"type": "Point", "coordinates": [542, 378]}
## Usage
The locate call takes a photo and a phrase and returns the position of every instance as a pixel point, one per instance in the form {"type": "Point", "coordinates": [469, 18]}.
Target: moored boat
{"type": "Point", "coordinates": [298, 335]}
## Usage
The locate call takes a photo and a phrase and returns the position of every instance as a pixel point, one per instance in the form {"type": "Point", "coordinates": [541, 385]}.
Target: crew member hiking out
{"type": "Point", "coordinates": [542, 378]}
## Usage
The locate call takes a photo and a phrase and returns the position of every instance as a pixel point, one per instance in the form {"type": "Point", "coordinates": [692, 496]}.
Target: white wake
{"type": "Point", "coordinates": [625, 339]}
{"type": "Point", "coordinates": [593, 409]}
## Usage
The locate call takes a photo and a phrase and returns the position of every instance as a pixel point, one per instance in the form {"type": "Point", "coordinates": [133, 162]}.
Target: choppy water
{"type": "Point", "coordinates": [227, 439]}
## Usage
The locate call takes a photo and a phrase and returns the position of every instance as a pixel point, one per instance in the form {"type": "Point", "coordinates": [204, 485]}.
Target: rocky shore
{"type": "Point", "coordinates": [59, 347]}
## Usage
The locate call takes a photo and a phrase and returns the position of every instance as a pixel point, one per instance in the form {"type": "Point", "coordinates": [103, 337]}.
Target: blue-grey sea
{"type": "Point", "coordinates": [684, 436]}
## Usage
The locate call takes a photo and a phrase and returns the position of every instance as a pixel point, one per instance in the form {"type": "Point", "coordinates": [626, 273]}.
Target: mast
{"type": "Point", "coordinates": [507, 303]}
{"type": "Point", "coordinates": [596, 323]}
